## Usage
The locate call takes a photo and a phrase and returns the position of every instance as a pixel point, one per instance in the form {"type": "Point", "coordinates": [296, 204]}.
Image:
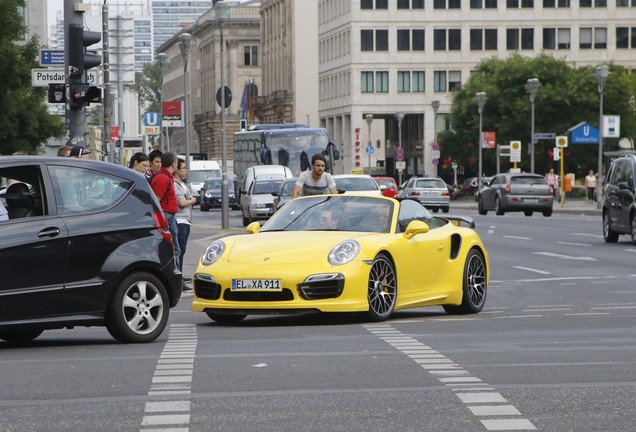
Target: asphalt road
{"type": "Point", "coordinates": [553, 350]}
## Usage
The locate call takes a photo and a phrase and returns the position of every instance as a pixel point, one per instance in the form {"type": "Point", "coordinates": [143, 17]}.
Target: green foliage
{"type": "Point", "coordinates": [24, 121]}
{"type": "Point", "coordinates": [566, 97]}
{"type": "Point", "coordinates": [151, 87]}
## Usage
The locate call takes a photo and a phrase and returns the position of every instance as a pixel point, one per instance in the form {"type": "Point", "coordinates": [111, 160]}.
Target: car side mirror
{"type": "Point", "coordinates": [275, 194]}
{"type": "Point", "coordinates": [416, 227]}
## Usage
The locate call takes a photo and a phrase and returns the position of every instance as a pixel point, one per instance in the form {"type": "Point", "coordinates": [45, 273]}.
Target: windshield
{"type": "Point", "coordinates": [430, 184]}
{"type": "Point", "coordinates": [287, 148]}
{"type": "Point", "coordinates": [333, 213]}
{"type": "Point", "coordinates": [203, 175]}
{"type": "Point", "coordinates": [266, 187]}
{"type": "Point", "coordinates": [356, 183]}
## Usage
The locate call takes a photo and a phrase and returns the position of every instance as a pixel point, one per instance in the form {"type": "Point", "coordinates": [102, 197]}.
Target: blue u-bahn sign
{"type": "Point", "coordinates": [584, 133]}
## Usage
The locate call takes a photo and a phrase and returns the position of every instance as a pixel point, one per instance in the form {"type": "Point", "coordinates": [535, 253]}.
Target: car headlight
{"type": "Point", "coordinates": [213, 253]}
{"type": "Point", "coordinates": [209, 194]}
{"type": "Point", "coordinates": [344, 252]}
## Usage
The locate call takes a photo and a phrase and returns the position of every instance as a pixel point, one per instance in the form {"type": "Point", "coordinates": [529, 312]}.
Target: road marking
{"type": "Point", "coordinates": [471, 391]}
{"type": "Point", "coordinates": [532, 270]}
{"type": "Point", "coordinates": [516, 237]}
{"type": "Point", "coordinates": [565, 257]}
{"type": "Point", "coordinates": [596, 236]}
{"type": "Point", "coordinates": [574, 244]}
{"type": "Point", "coordinates": [172, 377]}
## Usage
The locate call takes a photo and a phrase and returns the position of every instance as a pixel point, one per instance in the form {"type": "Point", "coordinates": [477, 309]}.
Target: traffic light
{"type": "Point", "coordinates": [78, 39]}
{"type": "Point", "coordinates": [243, 125]}
{"type": "Point", "coordinates": [83, 94]}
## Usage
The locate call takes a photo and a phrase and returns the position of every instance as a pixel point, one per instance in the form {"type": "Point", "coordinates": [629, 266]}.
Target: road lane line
{"type": "Point", "coordinates": [471, 391]}
{"type": "Point", "coordinates": [566, 257]}
{"type": "Point", "coordinates": [532, 270]}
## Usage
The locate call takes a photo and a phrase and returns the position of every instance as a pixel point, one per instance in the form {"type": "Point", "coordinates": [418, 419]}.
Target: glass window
{"type": "Point", "coordinates": [564, 3]}
{"type": "Point", "coordinates": [633, 37]}
{"type": "Point", "coordinates": [418, 40]}
{"type": "Point", "coordinates": [439, 40]}
{"type": "Point", "coordinates": [564, 38]}
{"type": "Point", "coordinates": [417, 4]}
{"type": "Point", "coordinates": [585, 3]}
{"type": "Point", "coordinates": [381, 4]}
{"type": "Point", "coordinates": [366, 83]}
{"type": "Point", "coordinates": [476, 42]}
{"type": "Point", "coordinates": [439, 4]}
{"type": "Point", "coordinates": [403, 4]}
{"type": "Point", "coordinates": [549, 36]}
{"type": "Point", "coordinates": [381, 40]}
{"type": "Point", "coordinates": [527, 4]}
{"type": "Point", "coordinates": [404, 82]}
{"type": "Point", "coordinates": [622, 3]}
{"type": "Point", "coordinates": [455, 40]}
{"type": "Point", "coordinates": [366, 40]}
{"type": "Point", "coordinates": [490, 4]}
{"type": "Point", "coordinates": [527, 39]}
{"type": "Point", "coordinates": [251, 56]}
{"type": "Point", "coordinates": [382, 82]}
{"type": "Point", "coordinates": [549, 3]}
{"type": "Point", "coordinates": [456, 4]}
{"type": "Point", "coordinates": [490, 39]}
{"type": "Point", "coordinates": [439, 81]}
{"type": "Point", "coordinates": [418, 81]}
{"type": "Point", "coordinates": [403, 40]}
{"type": "Point", "coordinates": [366, 4]}
{"type": "Point", "coordinates": [600, 37]}
{"type": "Point", "coordinates": [512, 4]}
{"type": "Point", "coordinates": [475, 4]}
{"type": "Point", "coordinates": [585, 38]}
{"type": "Point", "coordinates": [454, 80]}
{"type": "Point", "coordinates": [600, 3]}
{"type": "Point", "coordinates": [512, 39]}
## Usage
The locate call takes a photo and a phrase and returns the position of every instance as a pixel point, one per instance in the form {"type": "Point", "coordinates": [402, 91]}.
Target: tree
{"type": "Point", "coordinates": [150, 87]}
{"type": "Point", "coordinates": [566, 97]}
{"type": "Point", "coordinates": [24, 120]}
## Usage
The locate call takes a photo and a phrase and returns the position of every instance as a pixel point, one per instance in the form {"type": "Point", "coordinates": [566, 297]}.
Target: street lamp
{"type": "Point", "coordinates": [221, 14]}
{"type": "Point", "coordinates": [400, 116]}
{"type": "Point", "coordinates": [162, 58]}
{"type": "Point", "coordinates": [481, 101]}
{"type": "Point", "coordinates": [186, 46]}
{"type": "Point", "coordinates": [369, 119]}
{"type": "Point", "coordinates": [435, 105]}
{"type": "Point", "coordinates": [602, 72]}
{"type": "Point", "coordinates": [532, 86]}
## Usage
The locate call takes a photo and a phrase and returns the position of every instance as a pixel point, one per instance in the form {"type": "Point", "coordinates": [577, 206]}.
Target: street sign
{"type": "Point", "coordinates": [435, 154]}
{"type": "Point", "coordinates": [490, 140]}
{"type": "Point", "coordinates": [400, 165]}
{"type": "Point", "coordinates": [611, 126]}
{"type": "Point", "coordinates": [171, 113]}
{"type": "Point", "coordinates": [585, 134]}
{"type": "Point", "coordinates": [369, 149]}
{"type": "Point", "coordinates": [399, 154]}
{"type": "Point", "coordinates": [562, 141]}
{"type": "Point", "coordinates": [44, 77]}
{"type": "Point", "coordinates": [515, 151]}
{"type": "Point", "coordinates": [548, 135]}
{"type": "Point", "coordinates": [52, 57]}
{"type": "Point", "coordinates": [152, 130]}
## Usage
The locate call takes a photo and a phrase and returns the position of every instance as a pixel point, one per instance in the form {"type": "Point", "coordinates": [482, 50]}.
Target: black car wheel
{"type": "Point", "coordinates": [528, 212]}
{"type": "Point", "coordinates": [226, 318]}
{"type": "Point", "coordinates": [609, 235]}
{"type": "Point", "coordinates": [138, 311]}
{"type": "Point", "coordinates": [547, 213]}
{"type": "Point", "coordinates": [480, 207]}
{"type": "Point", "coordinates": [382, 288]}
{"type": "Point", "coordinates": [445, 209]}
{"type": "Point", "coordinates": [499, 211]}
{"type": "Point", "coordinates": [18, 337]}
{"type": "Point", "coordinates": [474, 285]}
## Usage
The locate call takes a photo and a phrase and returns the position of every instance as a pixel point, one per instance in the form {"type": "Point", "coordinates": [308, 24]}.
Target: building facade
{"type": "Point", "coordinates": [382, 57]}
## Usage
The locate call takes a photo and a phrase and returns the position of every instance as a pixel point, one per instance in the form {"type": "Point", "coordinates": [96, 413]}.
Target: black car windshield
{"type": "Point", "coordinates": [333, 213]}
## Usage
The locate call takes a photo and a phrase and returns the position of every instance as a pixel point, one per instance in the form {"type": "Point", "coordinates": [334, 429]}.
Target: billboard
{"type": "Point", "coordinates": [171, 114]}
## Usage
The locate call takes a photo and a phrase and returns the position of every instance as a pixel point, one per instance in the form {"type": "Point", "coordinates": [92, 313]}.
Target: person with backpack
{"type": "Point", "coordinates": [162, 184]}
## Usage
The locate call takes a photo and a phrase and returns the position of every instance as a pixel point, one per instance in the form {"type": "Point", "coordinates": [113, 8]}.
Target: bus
{"type": "Point", "coordinates": [288, 145]}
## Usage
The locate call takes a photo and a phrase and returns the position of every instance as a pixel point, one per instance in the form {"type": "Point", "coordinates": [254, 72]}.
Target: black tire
{"type": "Point", "coordinates": [528, 212]}
{"type": "Point", "coordinates": [547, 213]}
{"type": "Point", "coordinates": [609, 234]}
{"type": "Point", "coordinates": [499, 211]}
{"type": "Point", "coordinates": [445, 209]}
{"type": "Point", "coordinates": [19, 337]}
{"type": "Point", "coordinates": [480, 207]}
{"type": "Point", "coordinates": [474, 286]}
{"type": "Point", "coordinates": [381, 288]}
{"type": "Point", "coordinates": [226, 318]}
{"type": "Point", "coordinates": [139, 309]}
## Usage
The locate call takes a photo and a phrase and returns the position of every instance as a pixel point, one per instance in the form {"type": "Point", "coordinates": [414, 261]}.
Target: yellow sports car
{"type": "Point", "coordinates": [344, 253]}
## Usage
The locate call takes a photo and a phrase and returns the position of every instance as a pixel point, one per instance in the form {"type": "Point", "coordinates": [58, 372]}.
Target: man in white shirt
{"type": "Point", "coordinates": [185, 200]}
{"type": "Point", "coordinates": [315, 181]}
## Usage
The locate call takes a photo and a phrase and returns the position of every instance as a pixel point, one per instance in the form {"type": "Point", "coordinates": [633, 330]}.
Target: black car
{"type": "Point", "coordinates": [85, 244]}
{"type": "Point", "coordinates": [619, 205]}
{"type": "Point", "coordinates": [210, 195]}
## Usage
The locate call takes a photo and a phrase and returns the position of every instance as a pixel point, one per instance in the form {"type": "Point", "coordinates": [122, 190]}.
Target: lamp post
{"type": "Point", "coordinates": [481, 101]}
{"type": "Point", "coordinates": [369, 119]}
{"type": "Point", "coordinates": [602, 72]}
{"type": "Point", "coordinates": [162, 58]}
{"type": "Point", "coordinates": [532, 86]}
{"type": "Point", "coordinates": [435, 105]}
{"type": "Point", "coordinates": [186, 46]}
{"type": "Point", "coordinates": [139, 78]}
{"type": "Point", "coordinates": [400, 116]}
{"type": "Point", "coordinates": [221, 14]}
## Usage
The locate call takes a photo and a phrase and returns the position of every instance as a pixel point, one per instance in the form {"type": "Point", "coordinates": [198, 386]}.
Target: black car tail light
{"type": "Point", "coordinates": [162, 226]}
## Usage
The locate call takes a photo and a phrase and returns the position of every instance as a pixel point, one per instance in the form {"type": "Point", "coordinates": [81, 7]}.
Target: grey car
{"type": "Point", "coordinates": [516, 192]}
{"type": "Point", "coordinates": [258, 202]}
{"type": "Point", "coordinates": [431, 192]}
{"type": "Point", "coordinates": [284, 193]}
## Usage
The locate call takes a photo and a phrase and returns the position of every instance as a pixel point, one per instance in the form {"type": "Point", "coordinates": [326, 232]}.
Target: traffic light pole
{"type": "Point", "coordinates": [75, 119]}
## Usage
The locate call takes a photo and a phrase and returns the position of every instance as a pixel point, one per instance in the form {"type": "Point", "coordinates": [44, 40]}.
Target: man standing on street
{"type": "Point", "coordinates": [316, 181]}
{"type": "Point", "coordinates": [155, 164]}
{"type": "Point", "coordinates": [163, 185]}
{"type": "Point", "coordinates": [184, 215]}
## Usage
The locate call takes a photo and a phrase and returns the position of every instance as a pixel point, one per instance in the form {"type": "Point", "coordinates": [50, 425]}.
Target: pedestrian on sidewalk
{"type": "Point", "coordinates": [163, 186]}
{"type": "Point", "coordinates": [184, 215]}
{"type": "Point", "coordinates": [590, 187]}
{"type": "Point", "coordinates": [553, 180]}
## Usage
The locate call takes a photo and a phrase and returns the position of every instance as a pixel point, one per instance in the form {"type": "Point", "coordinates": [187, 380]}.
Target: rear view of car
{"type": "Point", "coordinates": [86, 244]}
{"type": "Point", "coordinates": [431, 192]}
{"type": "Point", "coordinates": [359, 184]}
{"type": "Point", "coordinates": [511, 192]}
{"type": "Point", "coordinates": [388, 186]}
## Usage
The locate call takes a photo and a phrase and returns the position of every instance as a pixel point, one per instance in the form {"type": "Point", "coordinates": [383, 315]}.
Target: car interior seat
{"type": "Point", "coordinates": [20, 203]}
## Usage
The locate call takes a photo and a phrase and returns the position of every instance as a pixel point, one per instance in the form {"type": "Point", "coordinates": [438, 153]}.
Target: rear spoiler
{"type": "Point", "coordinates": [457, 220]}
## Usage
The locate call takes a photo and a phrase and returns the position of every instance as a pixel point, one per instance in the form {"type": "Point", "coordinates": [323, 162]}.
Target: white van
{"type": "Point", "coordinates": [199, 171]}
{"type": "Point", "coordinates": [252, 172]}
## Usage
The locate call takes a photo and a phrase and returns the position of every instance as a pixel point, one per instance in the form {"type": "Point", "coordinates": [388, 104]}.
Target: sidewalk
{"type": "Point", "coordinates": [570, 205]}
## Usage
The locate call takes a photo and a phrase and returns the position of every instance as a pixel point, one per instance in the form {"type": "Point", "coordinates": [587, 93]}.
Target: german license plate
{"type": "Point", "coordinates": [531, 200]}
{"type": "Point", "coordinates": [256, 285]}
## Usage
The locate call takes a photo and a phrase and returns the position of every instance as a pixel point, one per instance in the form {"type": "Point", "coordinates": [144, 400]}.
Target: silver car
{"type": "Point", "coordinates": [258, 202]}
{"type": "Point", "coordinates": [516, 192]}
{"type": "Point", "coordinates": [284, 193]}
{"type": "Point", "coordinates": [432, 192]}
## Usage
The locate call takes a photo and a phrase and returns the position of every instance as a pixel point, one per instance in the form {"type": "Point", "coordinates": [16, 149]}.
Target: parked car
{"type": "Point", "coordinates": [210, 194]}
{"type": "Point", "coordinates": [344, 253]}
{"type": "Point", "coordinates": [619, 200]}
{"type": "Point", "coordinates": [258, 202]}
{"type": "Point", "coordinates": [515, 192]}
{"type": "Point", "coordinates": [388, 186]}
{"type": "Point", "coordinates": [86, 245]}
{"type": "Point", "coordinates": [360, 184]}
{"type": "Point", "coordinates": [284, 193]}
{"type": "Point", "coordinates": [431, 192]}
